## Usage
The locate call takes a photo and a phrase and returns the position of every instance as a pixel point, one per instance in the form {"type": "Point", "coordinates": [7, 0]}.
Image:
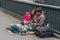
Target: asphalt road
{"type": "Point", "coordinates": [6, 19]}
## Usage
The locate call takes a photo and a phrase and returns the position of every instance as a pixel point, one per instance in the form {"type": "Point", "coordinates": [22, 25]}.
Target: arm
{"type": "Point", "coordinates": [32, 13]}
{"type": "Point", "coordinates": [31, 32]}
{"type": "Point", "coordinates": [42, 18]}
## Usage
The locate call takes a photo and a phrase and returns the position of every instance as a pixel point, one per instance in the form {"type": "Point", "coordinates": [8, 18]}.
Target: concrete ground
{"type": "Point", "coordinates": [6, 19]}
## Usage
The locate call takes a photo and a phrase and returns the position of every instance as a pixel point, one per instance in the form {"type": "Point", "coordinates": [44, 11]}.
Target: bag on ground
{"type": "Point", "coordinates": [42, 31]}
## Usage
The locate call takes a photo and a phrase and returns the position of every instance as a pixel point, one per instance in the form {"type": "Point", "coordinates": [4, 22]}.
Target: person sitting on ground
{"type": "Point", "coordinates": [39, 17]}
{"type": "Point", "coordinates": [27, 17]}
{"type": "Point", "coordinates": [39, 21]}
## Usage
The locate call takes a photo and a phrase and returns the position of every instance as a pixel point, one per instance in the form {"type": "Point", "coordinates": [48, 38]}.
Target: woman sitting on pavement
{"type": "Point", "coordinates": [38, 17]}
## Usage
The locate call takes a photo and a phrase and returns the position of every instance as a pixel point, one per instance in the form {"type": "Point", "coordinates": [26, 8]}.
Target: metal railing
{"type": "Point", "coordinates": [39, 4]}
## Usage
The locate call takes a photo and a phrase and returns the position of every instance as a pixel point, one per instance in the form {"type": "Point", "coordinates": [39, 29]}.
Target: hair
{"type": "Point", "coordinates": [40, 9]}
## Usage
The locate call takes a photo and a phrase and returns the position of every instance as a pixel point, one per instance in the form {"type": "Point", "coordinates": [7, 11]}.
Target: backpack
{"type": "Point", "coordinates": [43, 32]}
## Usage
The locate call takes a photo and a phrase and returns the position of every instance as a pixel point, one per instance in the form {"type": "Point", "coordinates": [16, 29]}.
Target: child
{"type": "Point", "coordinates": [27, 17]}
